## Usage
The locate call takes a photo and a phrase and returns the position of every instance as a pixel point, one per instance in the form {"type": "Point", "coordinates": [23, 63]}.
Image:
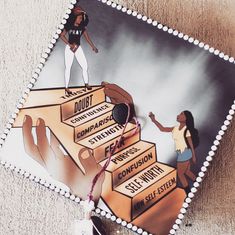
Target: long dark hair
{"type": "Point", "coordinates": [190, 126]}
{"type": "Point", "coordinates": [73, 16]}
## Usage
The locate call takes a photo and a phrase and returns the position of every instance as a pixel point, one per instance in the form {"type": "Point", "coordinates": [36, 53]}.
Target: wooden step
{"type": "Point", "coordinates": [91, 121]}
{"type": "Point", "coordinates": [80, 100]}
{"type": "Point", "coordinates": [101, 142]}
{"type": "Point", "coordinates": [55, 96]}
{"type": "Point", "coordinates": [160, 217]}
{"type": "Point", "coordinates": [81, 103]}
{"type": "Point", "coordinates": [130, 161]}
{"type": "Point", "coordinates": [139, 192]}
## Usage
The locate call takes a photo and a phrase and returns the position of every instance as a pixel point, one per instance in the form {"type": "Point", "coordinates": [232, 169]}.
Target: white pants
{"type": "Point", "coordinates": [81, 59]}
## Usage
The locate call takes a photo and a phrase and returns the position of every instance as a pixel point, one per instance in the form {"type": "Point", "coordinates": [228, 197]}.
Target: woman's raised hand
{"type": "Point", "coordinates": [152, 116]}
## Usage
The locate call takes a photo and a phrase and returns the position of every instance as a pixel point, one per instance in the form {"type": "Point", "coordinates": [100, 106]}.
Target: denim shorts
{"type": "Point", "coordinates": [184, 156]}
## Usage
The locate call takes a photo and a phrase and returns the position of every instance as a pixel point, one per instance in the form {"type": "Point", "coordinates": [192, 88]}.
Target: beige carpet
{"type": "Point", "coordinates": [26, 29]}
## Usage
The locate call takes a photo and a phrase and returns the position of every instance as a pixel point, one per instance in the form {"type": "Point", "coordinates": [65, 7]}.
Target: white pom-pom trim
{"type": "Point", "coordinates": [35, 76]}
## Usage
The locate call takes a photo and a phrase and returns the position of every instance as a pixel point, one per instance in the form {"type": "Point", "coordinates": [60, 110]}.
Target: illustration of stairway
{"type": "Point", "coordinates": [134, 180]}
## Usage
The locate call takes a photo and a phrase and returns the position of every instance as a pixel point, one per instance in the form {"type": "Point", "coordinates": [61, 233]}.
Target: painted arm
{"type": "Point", "coordinates": [159, 125]}
{"type": "Point", "coordinates": [190, 142]}
{"type": "Point", "coordinates": [88, 39]}
{"type": "Point", "coordinates": [63, 37]}
{"type": "Point", "coordinates": [73, 47]}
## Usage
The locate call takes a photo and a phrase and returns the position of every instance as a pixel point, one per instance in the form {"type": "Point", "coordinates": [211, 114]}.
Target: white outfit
{"type": "Point", "coordinates": [81, 59]}
{"type": "Point", "coordinates": [178, 136]}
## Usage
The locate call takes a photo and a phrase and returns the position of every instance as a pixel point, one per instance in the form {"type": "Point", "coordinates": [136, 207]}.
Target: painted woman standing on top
{"type": "Point", "coordinates": [76, 28]}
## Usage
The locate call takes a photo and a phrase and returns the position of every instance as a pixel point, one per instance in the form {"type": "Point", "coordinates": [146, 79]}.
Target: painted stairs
{"type": "Point", "coordinates": [134, 180]}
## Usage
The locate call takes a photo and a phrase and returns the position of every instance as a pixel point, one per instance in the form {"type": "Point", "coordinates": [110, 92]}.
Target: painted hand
{"type": "Point", "coordinates": [116, 94]}
{"type": "Point", "coordinates": [152, 116]}
{"type": "Point", "coordinates": [95, 49]}
{"type": "Point", "coordinates": [73, 47]}
{"type": "Point", "coordinates": [61, 167]}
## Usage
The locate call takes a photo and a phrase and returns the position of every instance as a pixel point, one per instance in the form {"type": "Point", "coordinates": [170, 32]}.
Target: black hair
{"type": "Point", "coordinates": [190, 126]}
{"type": "Point", "coordinates": [72, 18]}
